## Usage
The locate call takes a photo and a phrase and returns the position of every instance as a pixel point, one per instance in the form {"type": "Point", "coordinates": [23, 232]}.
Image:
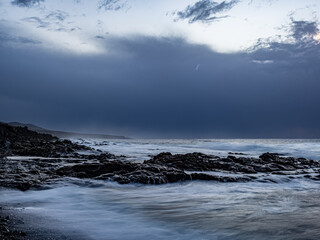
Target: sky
{"type": "Point", "coordinates": [163, 68]}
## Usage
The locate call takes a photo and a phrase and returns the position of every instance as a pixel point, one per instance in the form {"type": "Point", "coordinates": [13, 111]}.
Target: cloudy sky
{"type": "Point", "coordinates": [163, 68]}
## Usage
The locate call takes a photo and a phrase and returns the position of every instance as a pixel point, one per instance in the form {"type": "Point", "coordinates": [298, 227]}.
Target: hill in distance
{"type": "Point", "coordinates": [62, 134]}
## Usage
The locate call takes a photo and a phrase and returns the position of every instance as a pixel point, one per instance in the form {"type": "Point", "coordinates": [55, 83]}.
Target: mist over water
{"type": "Point", "coordinates": [287, 209]}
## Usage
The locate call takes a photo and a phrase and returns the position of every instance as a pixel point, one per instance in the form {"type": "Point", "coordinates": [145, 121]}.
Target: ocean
{"type": "Point", "coordinates": [280, 209]}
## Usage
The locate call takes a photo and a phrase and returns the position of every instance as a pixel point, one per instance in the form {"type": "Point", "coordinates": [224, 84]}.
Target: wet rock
{"type": "Point", "coordinates": [63, 160]}
{"type": "Point", "coordinates": [203, 176]}
{"type": "Point", "coordinates": [24, 186]}
{"type": "Point", "coordinates": [160, 169]}
{"type": "Point", "coordinates": [36, 173]}
{"type": "Point", "coordinates": [266, 163]}
{"type": "Point", "coordinates": [189, 161]}
{"type": "Point", "coordinates": [236, 153]}
{"type": "Point", "coordinates": [315, 178]}
{"type": "Point", "coordinates": [125, 172]}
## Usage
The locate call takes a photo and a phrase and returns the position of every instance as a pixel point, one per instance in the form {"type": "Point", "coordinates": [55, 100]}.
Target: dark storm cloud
{"type": "Point", "coordinates": [205, 10]}
{"type": "Point", "coordinates": [304, 50]}
{"type": "Point", "coordinates": [26, 3]}
{"type": "Point", "coordinates": [303, 29]}
{"type": "Point", "coordinates": [163, 87]}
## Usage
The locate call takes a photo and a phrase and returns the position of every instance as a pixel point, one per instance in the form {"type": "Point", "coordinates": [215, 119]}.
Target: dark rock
{"type": "Point", "coordinates": [162, 168]}
{"type": "Point", "coordinates": [24, 186]}
{"type": "Point", "coordinates": [266, 163]}
{"type": "Point", "coordinates": [21, 141]}
{"type": "Point", "coordinates": [203, 176]}
{"type": "Point", "coordinates": [189, 161]}
{"type": "Point", "coordinates": [235, 153]}
{"type": "Point", "coordinates": [125, 172]}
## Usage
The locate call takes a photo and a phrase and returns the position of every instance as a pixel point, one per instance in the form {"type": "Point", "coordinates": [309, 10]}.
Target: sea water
{"type": "Point", "coordinates": [142, 149]}
{"type": "Point", "coordinates": [189, 210]}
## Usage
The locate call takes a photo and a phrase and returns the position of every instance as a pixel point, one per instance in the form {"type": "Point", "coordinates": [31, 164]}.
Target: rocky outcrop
{"type": "Point", "coordinates": [24, 174]}
{"type": "Point", "coordinates": [125, 172]}
{"type": "Point", "coordinates": [266, 163]}
{"type": "Point", "coordinates": [169, 168]}
{"type": "Point", "coordinates": [161, 169]}
{"type": "Point", "coordinates": [62, 159]}
{"type": "Point", "coordinates": [23, 142]}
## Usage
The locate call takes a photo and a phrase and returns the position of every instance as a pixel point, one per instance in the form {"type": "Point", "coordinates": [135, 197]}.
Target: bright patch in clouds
{"type": "Point", "coordinates": [317, 37]}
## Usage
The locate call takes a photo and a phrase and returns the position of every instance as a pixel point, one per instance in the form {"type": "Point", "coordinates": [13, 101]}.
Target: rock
{"type": "Point", "coordinates": [236, 153]}
{"type": "Point", "coordinates": [203, 176]}
{"type": "Point", "coordinates": [24, 186]}
{"type": "Point", "coordinates": [189, 161]}
{"type": "Point", "coordinates": [269, 156]}
{"type": "Point", "coordinates": [266, 163]}
{"type": "Point", "coordinates": [21, 141]}
{"type": "Point", "coordinates": [125, 172]}
{"type": "Point", "coordinates": [160, 169]}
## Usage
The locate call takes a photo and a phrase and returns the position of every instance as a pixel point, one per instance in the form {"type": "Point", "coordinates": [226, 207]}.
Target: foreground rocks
{"type": "Point", "coordinates": [26, 173]}
{"type": "Point", "coordinates": [169, 168]}
{"type": "Point", "coordinates": [163, 168]}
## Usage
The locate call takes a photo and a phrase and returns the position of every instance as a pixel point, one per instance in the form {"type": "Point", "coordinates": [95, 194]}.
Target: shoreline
{"type": "Point", "coordinates": [33, 161]}
{"type": "Point", "coordinates": [55, 220]}
{"type": "Point", "coordinates": [19, 224]}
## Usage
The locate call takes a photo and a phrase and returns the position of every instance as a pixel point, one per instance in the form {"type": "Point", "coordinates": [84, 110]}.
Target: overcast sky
{"type": "Point", "coordinates": [163, 68]}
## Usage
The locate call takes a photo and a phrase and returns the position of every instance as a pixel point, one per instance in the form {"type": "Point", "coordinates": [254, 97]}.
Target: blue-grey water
{"type": "Point", "coordinates": [140, 149]}
{"type": "Point", "coordinates": [288, 209]}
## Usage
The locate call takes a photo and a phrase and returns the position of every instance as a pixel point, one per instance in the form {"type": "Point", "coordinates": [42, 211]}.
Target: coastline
{"type": "Point", "coordinates": [98, 192]}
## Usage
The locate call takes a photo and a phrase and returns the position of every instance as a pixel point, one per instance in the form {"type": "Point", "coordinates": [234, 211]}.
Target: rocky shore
{"type": "Point", "coordinates": [51, 159]}
{"type": "Point", "coordinates": [20, 141]}
{"type": "Point", "coordinates": [30, 160]}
